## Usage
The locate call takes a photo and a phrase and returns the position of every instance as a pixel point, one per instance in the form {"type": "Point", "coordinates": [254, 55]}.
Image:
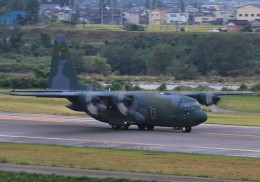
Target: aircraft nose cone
{"type": "Point", "coordinates": [200, 117]}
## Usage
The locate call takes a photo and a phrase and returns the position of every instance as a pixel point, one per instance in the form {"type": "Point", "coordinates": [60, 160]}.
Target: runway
{"type": "Point", "coordinates": [84, 131]}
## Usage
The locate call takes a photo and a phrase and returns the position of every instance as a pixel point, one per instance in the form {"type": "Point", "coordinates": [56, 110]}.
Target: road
{"type": "Point", "coordinates": [84, 131]}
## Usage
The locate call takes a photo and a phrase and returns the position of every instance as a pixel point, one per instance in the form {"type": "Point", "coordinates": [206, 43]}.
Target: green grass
{"type": "Point", "coordinates": [4, 91]}
{"type": "Point", "coordinates": [33, 105]}
{"type": "Point", "coordinates": [148, 28]}
{"type": "Point", "coordinates": [241, 103]}
{"type": "Point", "coordinates": [233, 119]}
{"type": "Point", "coordinates": [33, 177]}
{"type": "Point", "coordinates": [133, 160]}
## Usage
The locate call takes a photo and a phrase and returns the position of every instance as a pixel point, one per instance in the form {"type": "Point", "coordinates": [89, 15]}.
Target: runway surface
{"type": "Point", "coordinates": [84, 131]}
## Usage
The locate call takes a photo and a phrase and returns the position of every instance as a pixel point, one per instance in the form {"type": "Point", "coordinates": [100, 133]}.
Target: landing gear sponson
{"type": "Point", "coordinates": [148, 127]}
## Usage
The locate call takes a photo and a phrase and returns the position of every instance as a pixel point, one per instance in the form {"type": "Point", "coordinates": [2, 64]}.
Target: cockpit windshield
{"type": "Point", "coordinates": [187, 103]}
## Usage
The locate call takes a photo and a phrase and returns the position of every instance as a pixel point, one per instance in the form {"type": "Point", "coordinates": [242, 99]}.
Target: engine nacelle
{"type": "Point", "coordinates": [94, 105]}
{"type": "Point", "coordinates": [208, 99]}
{"type": "Point", "coordinates": [127, 105]}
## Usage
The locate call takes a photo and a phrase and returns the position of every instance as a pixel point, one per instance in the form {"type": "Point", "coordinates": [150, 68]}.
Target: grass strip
{"type": "Point", "coordinates": [34, 105]}
{"type": "Point", "coordinates": [25, 177]}
{"type": "Point", "coordinates": [241, 103]}
{"type": "Point", "coordinates": [233, 119]}
{"type": "Point", "coordinates": [216, 166]}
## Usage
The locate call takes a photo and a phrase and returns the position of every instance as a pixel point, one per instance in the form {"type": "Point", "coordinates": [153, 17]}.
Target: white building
{"type": "Point", "coordinates": [180, 18]}
{"type": "Point", "coordinates": [248, 12]}
{"type": "Point", "coordinates": [132, 17]}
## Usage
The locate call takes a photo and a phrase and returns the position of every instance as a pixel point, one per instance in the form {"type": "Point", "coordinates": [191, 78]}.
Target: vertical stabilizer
{"type": "Point", "coordinates": [63, 74]}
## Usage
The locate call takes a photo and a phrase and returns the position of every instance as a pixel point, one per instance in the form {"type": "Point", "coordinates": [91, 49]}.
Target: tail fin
{"type": "Point", "coordinates": [63, 74]}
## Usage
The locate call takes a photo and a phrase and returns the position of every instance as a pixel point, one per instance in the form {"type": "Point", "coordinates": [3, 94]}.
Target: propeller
{"type": "Point", "coordinates": [94, 104]}
{"type": "Point", "coordinates": [208, 99]}
{"type": "Point", "coordinates": [128, 106]}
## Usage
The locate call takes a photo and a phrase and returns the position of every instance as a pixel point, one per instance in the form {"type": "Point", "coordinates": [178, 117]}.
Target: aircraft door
{"type": "Point", "coordinates": [153, 113]}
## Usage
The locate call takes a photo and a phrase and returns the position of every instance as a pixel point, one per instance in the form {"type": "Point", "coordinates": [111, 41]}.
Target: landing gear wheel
{"type": "Point", "coordinates": [115, 127]}
{"type": "Point", "coordinates": [186, 129]}
{"type": "Point", "coordinates": [150, 127]}
{"type": "Point", "coordinates": [141, 127]}
{"type": "Point", "coordinates": [124, 127]}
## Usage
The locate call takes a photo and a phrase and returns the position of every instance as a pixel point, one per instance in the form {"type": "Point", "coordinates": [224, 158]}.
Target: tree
{"type": "Point", "coordinates": [124, 58]}
{"type": "Point", "coordinates": [247, 28]}
{"type": "Point", "coordinates": [228, 55]}
{"type": "Point", "coordinates": [32, 7]}
{"type": "Point", "coordinates": [16, 5]}
{"type": "Point", "coordinates": [181, 70]}
{"type": "Point", "coordinates": [46, 40]}
{"type": "Point", "coordinates": [132, 27]}
{"type": "Point", "coordinates": [16, 39]}
{"type": "Point", "coordinates": [160, 59]}
{"type": "Point", "coordinates": [96, 64]}
{"type": "Point", "coordinates": [162, 87]}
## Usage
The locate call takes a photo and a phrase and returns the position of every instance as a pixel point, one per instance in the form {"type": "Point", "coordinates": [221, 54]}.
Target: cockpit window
{"type": "Point", "coordinates": [186, 103]}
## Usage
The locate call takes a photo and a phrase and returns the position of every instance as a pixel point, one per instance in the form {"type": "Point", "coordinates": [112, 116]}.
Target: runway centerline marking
{"type": "Point", "coordinates": [132, 143]}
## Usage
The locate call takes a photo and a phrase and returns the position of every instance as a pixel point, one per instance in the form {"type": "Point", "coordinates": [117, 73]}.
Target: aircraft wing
{"type": "Point", "coordinates": [219, 93]}
{"type": "Point", "coordinates": [46, 93]}
{"type": "Point", "coordinates": [211, 97]}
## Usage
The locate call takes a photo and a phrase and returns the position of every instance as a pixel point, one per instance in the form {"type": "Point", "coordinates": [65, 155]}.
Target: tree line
{"type": "Point", "coordinates": [185, 56]}
{"type": "Point", "coordinates": [182, 56]}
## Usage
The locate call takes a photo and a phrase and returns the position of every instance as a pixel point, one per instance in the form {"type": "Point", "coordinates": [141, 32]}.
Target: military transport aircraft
{"type": "Point", "coordinates": [122, 109]}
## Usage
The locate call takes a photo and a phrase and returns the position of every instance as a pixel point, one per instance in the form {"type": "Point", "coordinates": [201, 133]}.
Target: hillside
{"type": "Point", "coordinates": [25, 54]}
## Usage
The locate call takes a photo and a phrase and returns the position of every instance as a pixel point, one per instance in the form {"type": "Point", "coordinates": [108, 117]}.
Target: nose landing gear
{"type": "Point", "coordinates": [186, 129]}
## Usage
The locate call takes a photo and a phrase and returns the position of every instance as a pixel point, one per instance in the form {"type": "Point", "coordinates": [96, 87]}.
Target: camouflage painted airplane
{"type": "Point", "coordinates": [122, 109]}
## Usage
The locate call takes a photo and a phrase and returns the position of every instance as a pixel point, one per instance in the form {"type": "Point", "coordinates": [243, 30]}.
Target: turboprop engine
{"type": "Point", "coordinates": [128, 106]}
{"type": "Point", "coordinates": [95, 105]}
{"type": "Point", "coordinates": [208, 99]}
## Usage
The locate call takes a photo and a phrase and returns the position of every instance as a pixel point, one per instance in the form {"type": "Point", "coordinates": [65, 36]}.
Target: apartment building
{"type": "Point", "coordinates": [248, 12]}
{"type": "Point", "coordinates": [157, 16]}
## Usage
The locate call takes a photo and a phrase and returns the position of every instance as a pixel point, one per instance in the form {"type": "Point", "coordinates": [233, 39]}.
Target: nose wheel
{"type": "Point", "coordinates": [186, 129]}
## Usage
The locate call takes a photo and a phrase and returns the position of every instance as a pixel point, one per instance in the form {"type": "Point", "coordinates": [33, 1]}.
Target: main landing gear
{"type": "Point", "coordinates": [125, 126]}
{"type": "Point", "coordinates": [186, 129]}
{"type": "Point", "coordinates": [148, 127]}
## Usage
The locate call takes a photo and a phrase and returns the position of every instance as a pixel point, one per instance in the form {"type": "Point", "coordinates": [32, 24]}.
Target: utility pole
{"type": "Point", "coordinates": [101, 11]}
{"type": "Point", "coordinates": [112, 13]}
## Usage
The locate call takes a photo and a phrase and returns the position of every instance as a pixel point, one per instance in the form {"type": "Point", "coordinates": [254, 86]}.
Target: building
{"type": "Point", "coordinates": [204, 19]}
{"type": "Point", "coordinates": [248, 12]}
{"type": "Point", "coordinates": [180, 18]}
{"type": "Point", "coordinates": [157, 16]}
{"type": "Point", "coordinates": [13, 18]}
{"type": "Point", "coordinates": [225, 15]}
{"type": "Point", "coordinates": [132, 17]}
{"type": "Point", "coordinates": [236, 25]}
